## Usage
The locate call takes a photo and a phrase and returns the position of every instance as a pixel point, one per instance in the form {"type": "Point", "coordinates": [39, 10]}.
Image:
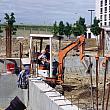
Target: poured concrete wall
{"type": "Point", "coordinates": [43, 97]}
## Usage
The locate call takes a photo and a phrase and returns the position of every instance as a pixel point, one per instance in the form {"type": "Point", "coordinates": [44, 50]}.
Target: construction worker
{"type": "Point", "coordinates": [23, 78]}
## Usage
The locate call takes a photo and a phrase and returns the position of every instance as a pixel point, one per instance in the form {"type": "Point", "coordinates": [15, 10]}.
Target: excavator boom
{"type": "Point", "coordinates": [63, 52]}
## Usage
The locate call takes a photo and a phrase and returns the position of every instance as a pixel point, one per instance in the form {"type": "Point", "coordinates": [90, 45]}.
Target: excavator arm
{"type": "Point", "coordinates": [63, 52]}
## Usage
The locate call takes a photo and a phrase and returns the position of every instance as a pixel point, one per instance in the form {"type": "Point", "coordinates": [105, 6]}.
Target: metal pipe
{"type": "Point", "coordinates": [108, 96]}
{"type": "Point", "coordinates": [97, 60]}
{"type": "Point", "coordinates": [106, 70]}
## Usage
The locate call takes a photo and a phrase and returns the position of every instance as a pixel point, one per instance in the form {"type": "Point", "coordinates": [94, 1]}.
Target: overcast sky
{"type": "Point", "coordinates": [47, 11]}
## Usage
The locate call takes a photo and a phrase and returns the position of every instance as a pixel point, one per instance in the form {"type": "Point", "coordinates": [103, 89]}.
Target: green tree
{"type": "Point", "coordinates": [55, 29]}
{"type": "Point", "coordinates": [61, 28]}
{"type": "Point", "coordinates": [95, 29]}
{"type": "Point", "coordinates": [10, 20]}
{"type": "Point", "coordinates": [68, 30]}
{"type": "Point", "coordinates": [10, 30]}
{"type": "Point", "coordinates": [79, 27]}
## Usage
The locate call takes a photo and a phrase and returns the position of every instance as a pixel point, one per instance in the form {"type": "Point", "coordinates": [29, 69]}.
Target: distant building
{"type": "Point", "coordinates": [89, 34]}
{"type": "Point", "coordinates": [103, 14]}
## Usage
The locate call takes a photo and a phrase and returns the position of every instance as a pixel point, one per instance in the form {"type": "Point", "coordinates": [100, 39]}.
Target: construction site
{"type": "Point", "coordinates": [77, 77]}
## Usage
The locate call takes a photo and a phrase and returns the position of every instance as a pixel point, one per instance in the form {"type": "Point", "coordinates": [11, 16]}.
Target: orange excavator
{"type": "Point", "coordinates": [80, 43]}
{"type": "Point", "coordinates": [59, 78]}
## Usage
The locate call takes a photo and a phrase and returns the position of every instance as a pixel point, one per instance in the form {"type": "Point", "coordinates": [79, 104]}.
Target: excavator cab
{"type": "Point", "coordinates": [39, 53]}
{"type": "Point", "coordinates": [41, 45]}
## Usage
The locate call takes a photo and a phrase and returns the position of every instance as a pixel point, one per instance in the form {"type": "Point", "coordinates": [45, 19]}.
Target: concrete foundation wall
{"type": "Point", "coordinates": [43, 97]}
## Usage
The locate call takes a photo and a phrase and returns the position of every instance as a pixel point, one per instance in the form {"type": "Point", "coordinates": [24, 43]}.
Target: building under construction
{"type": "Point", "coordinates": [80, 81]}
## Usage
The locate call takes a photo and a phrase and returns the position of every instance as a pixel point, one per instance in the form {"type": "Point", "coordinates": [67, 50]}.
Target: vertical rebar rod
{"type": "Point", "coordinates": [36, 46]}
{"type": "Point", "coordinates": [97, 60]}
{"type": "Point", "coordinates": [92, 100]}
{"type": "Point", "coordinates": [22, 50]}
{"type": "Point", "coordinates": [6, 42]}
{"type": "Point", "coordinates": [59, 43]}
{"type": "Point", "coordinates": [8, 46]}
{"type": "Point", "coordinates": [41, 41]}
{"type": "Point", "coordinates": [71, 99]}
{"type": "Point", "coordinates": [37, 58]}
{"type": "Point", "coordinates": [78, 103]}
{"type": "Point", "coordinates": [103, 41]}
{"type": "Point", "coordinates": [20, 56]}
{"type": "Point", "coordinates": [106, 70]}
{"type": "Point", "coordinates": [34, 57]}
{"type": "Point", "coordinates": [108, 96]}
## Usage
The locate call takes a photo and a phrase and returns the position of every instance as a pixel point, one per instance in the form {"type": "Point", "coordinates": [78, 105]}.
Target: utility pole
{"type": "Point", "coordinates": [91, 21]}
{"type": "Point", "coordinates": [91, 15]}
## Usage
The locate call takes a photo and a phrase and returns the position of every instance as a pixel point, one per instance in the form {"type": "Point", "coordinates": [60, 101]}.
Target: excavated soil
{"type": "Point", "coordinates": [77, 89]}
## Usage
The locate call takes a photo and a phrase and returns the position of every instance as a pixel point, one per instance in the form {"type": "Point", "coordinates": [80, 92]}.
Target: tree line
{"type": "Point", "coordinates": [77, 29]}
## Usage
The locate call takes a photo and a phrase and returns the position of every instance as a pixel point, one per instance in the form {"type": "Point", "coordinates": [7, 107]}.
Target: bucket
{"type": "Point", "coordinates": [10, 67]}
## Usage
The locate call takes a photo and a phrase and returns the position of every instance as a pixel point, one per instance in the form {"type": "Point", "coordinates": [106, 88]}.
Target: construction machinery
{"type": "Point", "coordinates": [80, 43]}
{"type": "Point", "coordinates": [48, 74]}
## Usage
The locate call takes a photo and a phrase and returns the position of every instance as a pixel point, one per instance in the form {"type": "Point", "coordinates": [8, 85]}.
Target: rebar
{"type": "Point", "coordinates": [108, 96]}
{"type": "Point", "coordinates": [92, 100]}
{"type": "Point", "coordinates": [106, 69]}
{"type": "Point", "coordinates": [97, 60]}
{"type": "Point", "coordinates": [21, 51]}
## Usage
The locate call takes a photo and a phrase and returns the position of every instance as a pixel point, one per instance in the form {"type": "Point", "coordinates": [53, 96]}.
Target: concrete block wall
{"type": "Point", "coordinates": [43, 97]}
